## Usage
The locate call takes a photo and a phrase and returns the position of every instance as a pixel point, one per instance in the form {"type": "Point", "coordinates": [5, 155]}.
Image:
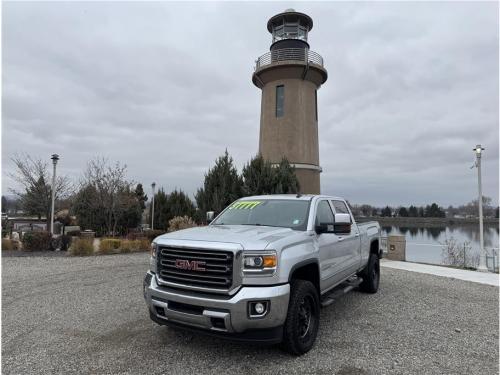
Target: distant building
{"type": "Point", "coordinates": [27, 224]}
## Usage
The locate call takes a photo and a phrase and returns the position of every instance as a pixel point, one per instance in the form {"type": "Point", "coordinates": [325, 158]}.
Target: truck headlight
{"type": "Point", "coordinates": [260, 262]}
{"type": "Point", "coordinates": [154, 247]}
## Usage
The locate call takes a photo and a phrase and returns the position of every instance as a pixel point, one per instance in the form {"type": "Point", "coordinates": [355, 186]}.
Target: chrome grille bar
{"type": "Point", "coordinates": [215, 268]}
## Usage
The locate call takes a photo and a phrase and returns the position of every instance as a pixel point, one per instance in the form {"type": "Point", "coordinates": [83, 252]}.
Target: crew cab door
{"type": "Point", "coordinates": [348, 248]}
{"type": "Point", "coordinates": [327, 244]}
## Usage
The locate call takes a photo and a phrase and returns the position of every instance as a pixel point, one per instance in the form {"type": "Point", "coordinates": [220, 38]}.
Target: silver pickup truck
{"type": "Point", "coordinates": [262, 269]}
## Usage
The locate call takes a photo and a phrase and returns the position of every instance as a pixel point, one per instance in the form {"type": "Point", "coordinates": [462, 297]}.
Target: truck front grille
{"type": "Point", "coordinates": [196, 267]}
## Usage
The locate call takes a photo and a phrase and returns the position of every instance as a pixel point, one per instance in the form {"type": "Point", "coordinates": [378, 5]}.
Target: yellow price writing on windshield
{"type": "Point", "coordinates": [245, 205]}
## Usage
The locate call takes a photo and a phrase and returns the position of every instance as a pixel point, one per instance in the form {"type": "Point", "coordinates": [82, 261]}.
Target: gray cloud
{"type": "Point", "coordinates": [166, 87]}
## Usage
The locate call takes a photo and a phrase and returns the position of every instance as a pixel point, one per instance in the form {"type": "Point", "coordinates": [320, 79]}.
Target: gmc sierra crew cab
{"type": "Point", "coordinates": [262, 269]}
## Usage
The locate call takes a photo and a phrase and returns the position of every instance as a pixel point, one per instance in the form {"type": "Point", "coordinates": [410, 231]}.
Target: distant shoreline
{"type": "Point", "coordinates": [428, 221]}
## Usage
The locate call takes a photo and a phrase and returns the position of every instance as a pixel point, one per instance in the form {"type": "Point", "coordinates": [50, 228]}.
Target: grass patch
{"type": "Point", "coordinates": [7, 244]}
{"type": "Point", "coordinates": [110, 245]}
{"type": "Point", "coordinates": [82, 247]}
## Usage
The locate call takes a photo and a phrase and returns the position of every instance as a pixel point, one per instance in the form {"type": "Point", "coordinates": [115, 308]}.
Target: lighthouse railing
{"type": "Point", "coordinates": [289, 54]}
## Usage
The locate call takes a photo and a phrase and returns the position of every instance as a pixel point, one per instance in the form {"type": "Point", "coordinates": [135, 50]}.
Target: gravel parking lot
{"type": "Point", "coordinates": [87, 315]}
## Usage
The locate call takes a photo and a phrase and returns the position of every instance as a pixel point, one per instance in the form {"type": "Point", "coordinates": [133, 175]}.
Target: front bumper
{"type": "Point", "coordinates": [216, 313]}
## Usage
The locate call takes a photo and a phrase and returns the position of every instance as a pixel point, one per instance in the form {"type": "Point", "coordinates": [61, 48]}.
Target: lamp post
{"type": "Point", "coordinates": [54, 158]}
{"type": "Point", "coordinates": [482, 256]}
{"type": "Point", "coordinates": [153, 185]}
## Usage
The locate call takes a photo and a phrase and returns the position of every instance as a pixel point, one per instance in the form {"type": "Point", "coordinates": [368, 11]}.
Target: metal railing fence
{"type": "Point", "coordinates": [492, 257]}
{"type": "Point", "coordinates": [289, 54]}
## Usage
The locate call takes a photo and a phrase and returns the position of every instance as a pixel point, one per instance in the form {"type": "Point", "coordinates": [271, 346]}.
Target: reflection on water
{"type": "Point", "coordinates": [424, 244]}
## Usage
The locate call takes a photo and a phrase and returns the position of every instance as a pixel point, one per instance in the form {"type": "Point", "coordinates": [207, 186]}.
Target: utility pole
{"type": "Point", "coordinates": [153, 185]}
{"type": "Point", "coordinates": [54, 158]}
{"type": "Point", "coordinates": [482, 255]}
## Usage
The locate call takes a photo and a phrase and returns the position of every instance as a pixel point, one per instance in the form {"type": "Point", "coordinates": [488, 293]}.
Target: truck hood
{"type": "Point", "coordinates": [250, 237]}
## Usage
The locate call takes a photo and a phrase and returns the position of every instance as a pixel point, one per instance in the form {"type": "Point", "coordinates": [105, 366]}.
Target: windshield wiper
{"type": "Point", "coordinates": [264, 225]}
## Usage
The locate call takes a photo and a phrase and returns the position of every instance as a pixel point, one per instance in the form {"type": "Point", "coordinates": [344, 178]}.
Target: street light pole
{"type": "Point", "coordinates": [482, 256]}
{"type": "Point", "coordinates": [153, 185]}
{"type": "Point", "coordinates": [54, 158]}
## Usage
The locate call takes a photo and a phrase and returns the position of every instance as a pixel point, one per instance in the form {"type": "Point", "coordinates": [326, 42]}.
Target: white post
{"type": "Point", "coordinates": [482, 255]}
{"type": "Point", "coordinates": [153, 207]}
{"type": "Point", "coordinates": [54, 158]}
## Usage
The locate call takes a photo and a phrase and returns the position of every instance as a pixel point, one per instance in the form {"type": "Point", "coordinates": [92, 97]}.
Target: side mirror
{"type": "Point", "coordinates": [342, 223]}
{"type": "Point", "coordinates": [210, 216]}
{"type": "Point", "coordinates": [324, 228]}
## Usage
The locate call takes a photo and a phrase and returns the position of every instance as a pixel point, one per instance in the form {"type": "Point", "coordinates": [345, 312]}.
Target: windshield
{"type": "Point", "coordinates": [284, 213]}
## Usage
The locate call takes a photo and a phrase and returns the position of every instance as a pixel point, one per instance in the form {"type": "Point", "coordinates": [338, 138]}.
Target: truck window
{"type": "Point", "coordinates": [286, 213]}
{"type": "Point", "coordinates": [324, 214]}
{"type": "Point", "coordinates": [340, 207]}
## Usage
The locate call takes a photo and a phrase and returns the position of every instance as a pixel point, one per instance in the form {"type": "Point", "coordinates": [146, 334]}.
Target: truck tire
{"type": "Point", "coordinates": [302, 320]}
{"type": "Point", "coordinates": [371, 275]}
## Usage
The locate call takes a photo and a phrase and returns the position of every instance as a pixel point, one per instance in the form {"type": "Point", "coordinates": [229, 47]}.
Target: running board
{"type": "Point", "coordinates": [340, 290]}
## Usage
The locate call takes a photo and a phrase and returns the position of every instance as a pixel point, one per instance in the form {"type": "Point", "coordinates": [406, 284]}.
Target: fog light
{"type": "Point", "coordinates": [258, 309]}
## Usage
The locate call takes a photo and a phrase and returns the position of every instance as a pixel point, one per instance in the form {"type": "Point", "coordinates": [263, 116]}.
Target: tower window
{"type": "Point", "coordinates": [316, 103]}
{"type": "Point", "coordinates": [280, 100]}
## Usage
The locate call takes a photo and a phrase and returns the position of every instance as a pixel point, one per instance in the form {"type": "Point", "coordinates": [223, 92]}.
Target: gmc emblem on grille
{"type": "Point", "coordinates": [194, 265]}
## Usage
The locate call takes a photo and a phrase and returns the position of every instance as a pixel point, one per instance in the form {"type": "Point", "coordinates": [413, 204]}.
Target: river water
{"type": "Point", "coordinates": [425, 244]}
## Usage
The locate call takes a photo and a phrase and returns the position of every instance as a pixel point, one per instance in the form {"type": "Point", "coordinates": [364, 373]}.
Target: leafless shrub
{"type": "Point", "coordinates": [180, 222]}
{"type": "Point", "coordinates": [458, 254]}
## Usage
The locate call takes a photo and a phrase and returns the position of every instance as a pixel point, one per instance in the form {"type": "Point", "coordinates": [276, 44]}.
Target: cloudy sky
{"type": "Point", "coordinates": [166, 87]}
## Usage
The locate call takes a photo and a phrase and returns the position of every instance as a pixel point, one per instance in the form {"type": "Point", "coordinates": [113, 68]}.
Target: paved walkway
{"type": "Point", "coordinates": [473, 276]}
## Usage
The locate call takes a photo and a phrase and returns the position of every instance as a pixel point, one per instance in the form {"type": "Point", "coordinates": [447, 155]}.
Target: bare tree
{"type": "Point", "coordinates": [112, 190]}
{"type": "Point", "coordinates": [458, 254]}
{"type": "Point", "coordinates": [34, 179]}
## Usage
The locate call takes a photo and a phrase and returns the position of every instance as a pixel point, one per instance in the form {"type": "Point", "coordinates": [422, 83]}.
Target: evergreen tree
{"type": "Point", "coordinates": [386, 212]}
{"type": "Point", "coordinates": [421, 212]}
{"type": "Point", "coordinates": [88, 214]}
{"type": "Point", "coordinates": [258, 177]}
{"type": "Point", "coordinates": [160, 211]}
{"type": "Point", "coordinates": [168, 206]}
{"type": "Point", "coordinates": [141, 196]}
{"type": "Point", "coordinates": [130, 212]}
{"type": "Point", "coordinates": [434, 211]}
{"type": "Point", "coordinates": [221, 187]}
{"type": "Point", "coordinates": [37, 199]}
{"type": "Point", "coordinates": [4, 204]}
{"type": "Point", "coordinates": [285, 180]}
{"type": "Point", "coordinates": [412, 211]}
{"type": "Point", "coordinates": [403, 212]}
{"type": "Point", "coordinates": [33, 176]}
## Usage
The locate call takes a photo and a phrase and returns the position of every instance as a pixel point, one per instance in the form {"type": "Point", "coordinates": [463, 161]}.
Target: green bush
{"type": "Point", "coordinates": [109, 245]}
{"type": "Point", "coordinates": [37, 241]}
{"type": "Point", "coordinates": [81, 246]}
{"type": "Point", "coordinates": [152, 234]}
{"type": "Point", "coordinates": [180, 222]}
{"type": "Point", "coordinates": [7, 244]}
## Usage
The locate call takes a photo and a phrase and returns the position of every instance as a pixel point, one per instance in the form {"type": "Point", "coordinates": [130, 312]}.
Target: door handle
{"type": "Point", "coordinates": [341, 238]}
{"type": "Point", "coordinates": [357, 234]}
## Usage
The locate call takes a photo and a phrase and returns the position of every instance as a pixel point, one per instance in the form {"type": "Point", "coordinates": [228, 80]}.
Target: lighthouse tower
{"type": "Point", "coordinates": [289, 76]}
